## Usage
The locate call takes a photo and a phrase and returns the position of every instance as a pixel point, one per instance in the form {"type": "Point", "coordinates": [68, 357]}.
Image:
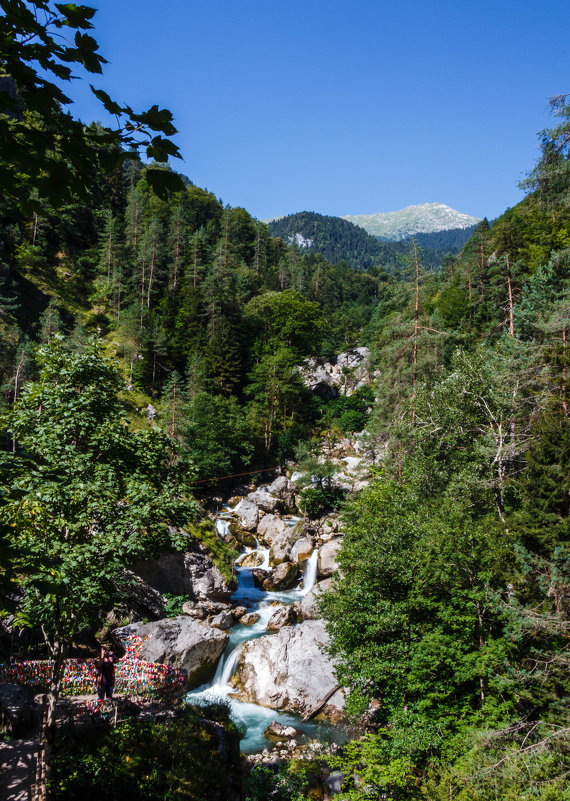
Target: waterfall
{"type": "Point", "coordinates": [253, 718]}
{"type": "Point", "coordinates": [310, 574]}
{"type": "Point", "coordinates": [226, 667]}
{"type": "Point", "coordinates": [222, 527]}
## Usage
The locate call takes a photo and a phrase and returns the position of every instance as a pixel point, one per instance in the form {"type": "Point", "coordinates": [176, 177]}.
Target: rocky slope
{"type": "Point", "coordinates": [423, 218]}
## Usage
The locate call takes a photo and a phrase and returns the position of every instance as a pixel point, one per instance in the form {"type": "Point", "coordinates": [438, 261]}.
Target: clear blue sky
{"type": "Point", "coordinates": [343, 106]}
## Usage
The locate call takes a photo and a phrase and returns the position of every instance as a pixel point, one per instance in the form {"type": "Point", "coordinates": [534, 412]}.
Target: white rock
{"type": "Point", "coordinates": [179, 641]}
{"type": "Point", "coordinates": [248, 514]}
{"type": "Point", "coordinates": [301, 550]}
{"type": "Point", "coordinates": [289, 670]}
{"type": "Point", "coordinates": [327, 563]}
{"type": "Point", "coordinates": [264, 500]}
{"type": "Point", "coordinates": [271, 527]}
{"type": "Point", "coordinates": [309, 607]}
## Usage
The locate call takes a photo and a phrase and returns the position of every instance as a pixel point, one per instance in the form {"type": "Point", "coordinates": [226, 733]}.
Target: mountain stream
{"type": "Point", "coordinates": [252, 719]}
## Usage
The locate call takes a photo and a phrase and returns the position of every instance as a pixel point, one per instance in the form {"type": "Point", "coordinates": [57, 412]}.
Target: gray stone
{"type": "Point", "coordinates": [181, 642]}
{"type": "Point", "coordinates": [333, 782]}
{"type": "Point", "coordinates": [253, 559]}
{"type": "Point", "coordinates": [239, 612]}
{"type": "Point", "coordinates": [143, 599]}
{"type": "Point", "coordinates": [282, 578]}
{"type": "Point", "coordinates": [270, 528]}
{"type": "Point", "coordinates": [281, 547]}
{"type": "Point", "coordinates": [245, 538]}
{"type": "Point", "coordinates": [285, 616]}
{"type": "Point", "coordinates": [249, 618]}
{"type": "Point", "coordinates": [191, 573]}
{"type": "Point", "coordinates": [16, 709]}
{"type": "Point", "coordinates": [259, 575]}
{"type": "Point", "coordinates": [327, 563]}
{"type": "Point", "coordinates": [301, 550]}
{"type": "Point", "coordinates": [277, 731]}
{"type": "Point", "coordinates": [283, 489]}
{"type": "Point", "coordinates": [309, 604]}
{"type": "Point", "coordinates": [247, 513]}
{"type": "Point", "coordinates": [223, 620]}
{"type": "Point", "coordinates": [193, 609]}
{"type": "Point", "coordinates": [290, 671]}
{"type": "Point", "coordinates": [264, 500]}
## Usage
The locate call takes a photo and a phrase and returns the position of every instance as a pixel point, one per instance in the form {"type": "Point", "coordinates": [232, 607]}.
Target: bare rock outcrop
{"type": "Point", "coordinates": [282, 577]}
{"type": "Point", "coordinates": [179, 641]}
{"type": "Point", "coordinates": [191, 573]}
{"type": "Point", "coordinates": [271, 527]}
{"type": "Point", "coordinates": [247, 512]}
{"type": "Point", "coordinates": [290, 671]}
{"type": "Point", "coordinates": [327, 563]}
{"type": "Point", "coordinates": [309, 604]}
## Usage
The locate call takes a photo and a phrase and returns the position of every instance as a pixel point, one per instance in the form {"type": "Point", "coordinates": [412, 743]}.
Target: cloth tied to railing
{"type": "Point", "coordinates": [132, 676]}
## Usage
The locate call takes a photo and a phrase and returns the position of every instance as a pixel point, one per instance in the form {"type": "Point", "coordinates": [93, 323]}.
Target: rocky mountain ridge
{"type": "Point", "coordinates": [421, 218]}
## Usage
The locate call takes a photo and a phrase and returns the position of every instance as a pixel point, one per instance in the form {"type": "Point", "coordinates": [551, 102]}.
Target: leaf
{"type": "Point", "coordinates": [110, 105]}
{"type": "Point", "coordinates": [76, 16]}
{"type": "Point", "coordinates": [163, 182]}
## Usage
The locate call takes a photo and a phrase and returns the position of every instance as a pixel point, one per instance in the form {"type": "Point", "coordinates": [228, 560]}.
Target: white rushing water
{"type": "Point", "coordinates": [251, 718]}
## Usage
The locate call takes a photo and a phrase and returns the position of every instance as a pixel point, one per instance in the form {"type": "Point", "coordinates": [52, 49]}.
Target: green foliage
{"type": "Point", "coordinates": [173, 604]}
{"type": "Point", "coordinates": [47, 155]}
{"type": "Point", "coordinates": [223, 555]}
{"type": "Point", "coordinates": [176, 758]}
{"type": "Point", "coordinates": [317, 501]}
{"type": "Point", "coordinates": [285, 784]}
{"type": "Point", "coordinates": [83, 497]}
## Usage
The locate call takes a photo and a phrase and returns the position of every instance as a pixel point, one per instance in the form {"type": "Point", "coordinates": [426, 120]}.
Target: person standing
{"type": "Point", "coordinates": [105, 667]}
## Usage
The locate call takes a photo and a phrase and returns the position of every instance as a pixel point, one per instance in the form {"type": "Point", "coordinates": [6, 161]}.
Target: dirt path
{"type": "Point", "coordinates": [17, 769]}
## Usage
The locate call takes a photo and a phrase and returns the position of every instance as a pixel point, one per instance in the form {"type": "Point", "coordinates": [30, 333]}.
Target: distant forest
{"type": "Point", "coordinates": [340, 240]}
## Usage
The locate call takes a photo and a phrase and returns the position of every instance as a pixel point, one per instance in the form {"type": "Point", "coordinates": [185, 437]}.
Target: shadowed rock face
{"type": "Point", "coordinates": [289, 671]}
{"type": "Point", "coordinates": [191, 573]}
{"type": "Point", "coordinates": [179, 641]}
{"type": "Point", "coordinates": [309, 604]}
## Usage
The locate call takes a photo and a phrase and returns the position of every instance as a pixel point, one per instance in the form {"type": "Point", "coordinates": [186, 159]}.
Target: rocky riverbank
{"type": "Point", "coordinates": [255, 640]}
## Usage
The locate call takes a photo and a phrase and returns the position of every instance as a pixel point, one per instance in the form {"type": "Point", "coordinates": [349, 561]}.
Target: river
{"type": "Point", "coordinates": [252, 719]}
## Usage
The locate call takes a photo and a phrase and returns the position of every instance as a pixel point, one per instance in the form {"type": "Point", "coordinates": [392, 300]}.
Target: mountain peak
{"type": "Point", "coordinates": [423, 218]}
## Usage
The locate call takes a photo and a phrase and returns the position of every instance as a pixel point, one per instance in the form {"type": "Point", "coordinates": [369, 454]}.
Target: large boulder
{"type": "Point", "coordinates": [309, 604]}
{"type": "Point", "coordinates": [179, 641]}
{"type": "Point", "coordinates": [281, 547]}
{"type": "Point", "coordinates": [284, 616]}
{"type": "Point", "coordinates": [282, 578]}
{"type": "Point", "coordinates": [270, 528]}
{"type": "Point", "coordinates": [191, 573]}
{"type": "Point", "coordinates": [251, 559]}
{"type": "Point", "coordinates": [277, 731]}
{"type": "Point", "coordinates": [247, 513]}
{"type": "Point", "coordinates": [301, 550]}
{"type": "Point", "coordinates": [282, 489]}
{"type": "Point", "coordinates": [327, 563]}
{"type": "Point", "coordinates": [290, 671]}
{"type": "Point", "coordinates": [264, 500]}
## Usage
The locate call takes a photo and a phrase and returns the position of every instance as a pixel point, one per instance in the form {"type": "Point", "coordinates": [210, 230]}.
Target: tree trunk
{"type": "Point", "coordinates": [58, 651]}
{"type": "Point", "coordinates": [511, 309]}
{"type": "Point", "coordinates": [564, 400]}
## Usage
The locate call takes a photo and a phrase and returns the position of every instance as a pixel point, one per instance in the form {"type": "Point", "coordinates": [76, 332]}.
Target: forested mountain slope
{"type": "Point", "coordinates": [336, 239]}
{"type": "Point", "coordinates": [450, 617]}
